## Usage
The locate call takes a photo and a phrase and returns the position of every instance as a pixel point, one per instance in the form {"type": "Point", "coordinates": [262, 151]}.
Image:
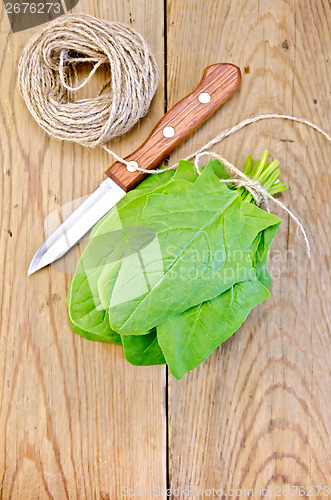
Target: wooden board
{"type": "Point", "coordinates": [76, 420]}
{"type": "Point", "coordinates": [257, 413]}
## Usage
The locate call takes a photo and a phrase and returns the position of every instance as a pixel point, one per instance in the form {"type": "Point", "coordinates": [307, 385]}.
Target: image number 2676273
{"type": "Point", "coordinates": [28, 14]}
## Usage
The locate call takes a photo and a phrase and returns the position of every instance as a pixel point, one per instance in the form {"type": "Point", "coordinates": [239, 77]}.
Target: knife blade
{"type": "Point", "coordinates": [219, 82]}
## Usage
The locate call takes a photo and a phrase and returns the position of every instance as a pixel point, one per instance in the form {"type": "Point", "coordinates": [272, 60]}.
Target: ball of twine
{"type": "Point", "coordinates": [48, 78]}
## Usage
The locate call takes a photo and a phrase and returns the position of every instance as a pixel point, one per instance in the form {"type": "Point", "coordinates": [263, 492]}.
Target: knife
{"type": "Point", "coordinates": [219, 82]}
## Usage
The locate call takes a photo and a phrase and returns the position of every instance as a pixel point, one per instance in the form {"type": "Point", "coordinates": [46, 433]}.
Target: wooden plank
{"type": "Point", "coordinates": [256, 414]}
{"type": "Point", "coordinates": [76, 420]}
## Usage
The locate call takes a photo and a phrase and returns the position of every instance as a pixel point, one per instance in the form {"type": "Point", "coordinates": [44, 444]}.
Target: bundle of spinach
{"type": "Point", "coordinates": [176, 267]}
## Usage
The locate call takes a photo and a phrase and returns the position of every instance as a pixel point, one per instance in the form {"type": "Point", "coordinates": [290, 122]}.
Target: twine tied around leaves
{"type": "Point", "coordinates": [258, 192]}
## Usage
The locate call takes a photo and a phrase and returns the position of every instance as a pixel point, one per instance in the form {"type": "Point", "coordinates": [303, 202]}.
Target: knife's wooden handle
{"type": "Point", "coordinates": [219, 81]}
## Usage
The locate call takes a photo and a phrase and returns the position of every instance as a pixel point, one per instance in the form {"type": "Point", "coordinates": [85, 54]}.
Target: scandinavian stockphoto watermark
{"type": "Point", "coordinates": [139, 249]}
{"type": "Point", "coordinates": [28, 14]}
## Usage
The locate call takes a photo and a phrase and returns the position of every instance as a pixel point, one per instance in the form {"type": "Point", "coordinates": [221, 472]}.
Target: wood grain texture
{"type": "Point", "coordinates": [220, 81]}
{"type": "Point", "coordinates": [257, 412]}
{"type": "Point", "coordinates": [76, 420]}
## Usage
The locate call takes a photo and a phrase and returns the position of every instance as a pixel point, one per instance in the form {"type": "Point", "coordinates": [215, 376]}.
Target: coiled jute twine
{"type": "Point", "coordinates": [48, 81]}
{"type": "Point", "coordinates": [48, 78]}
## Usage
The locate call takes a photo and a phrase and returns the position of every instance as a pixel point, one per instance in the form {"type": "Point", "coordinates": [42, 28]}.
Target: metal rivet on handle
{"type": "Point", "coordinates": [204, 97]}
{"type": "Point", "coordinates": [168, 132]}
{"type": "Point", "coordinates": [133, 166]}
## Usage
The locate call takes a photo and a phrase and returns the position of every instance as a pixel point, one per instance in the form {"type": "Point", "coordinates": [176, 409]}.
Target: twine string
{"type": "Point", "coordinates": [62, 73]}
{"type": "Point", "coordinates": [253, 119]}
{"type": "Point", "coordinates": [48, 78]}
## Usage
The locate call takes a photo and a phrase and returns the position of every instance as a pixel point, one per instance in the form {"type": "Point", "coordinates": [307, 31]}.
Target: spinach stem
{"type": "Point", "coordinates": [265, 173]}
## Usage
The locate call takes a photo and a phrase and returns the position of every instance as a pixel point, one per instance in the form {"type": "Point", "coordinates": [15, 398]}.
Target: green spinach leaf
{"type": "Point", "coordinates": [109, 243]}
{"type": "Point", "coordinates": [203, 247]}
{"type": "Point", "coordinates": [143, 350]}
{"type": "Point", "coordinates": [189, 338]}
